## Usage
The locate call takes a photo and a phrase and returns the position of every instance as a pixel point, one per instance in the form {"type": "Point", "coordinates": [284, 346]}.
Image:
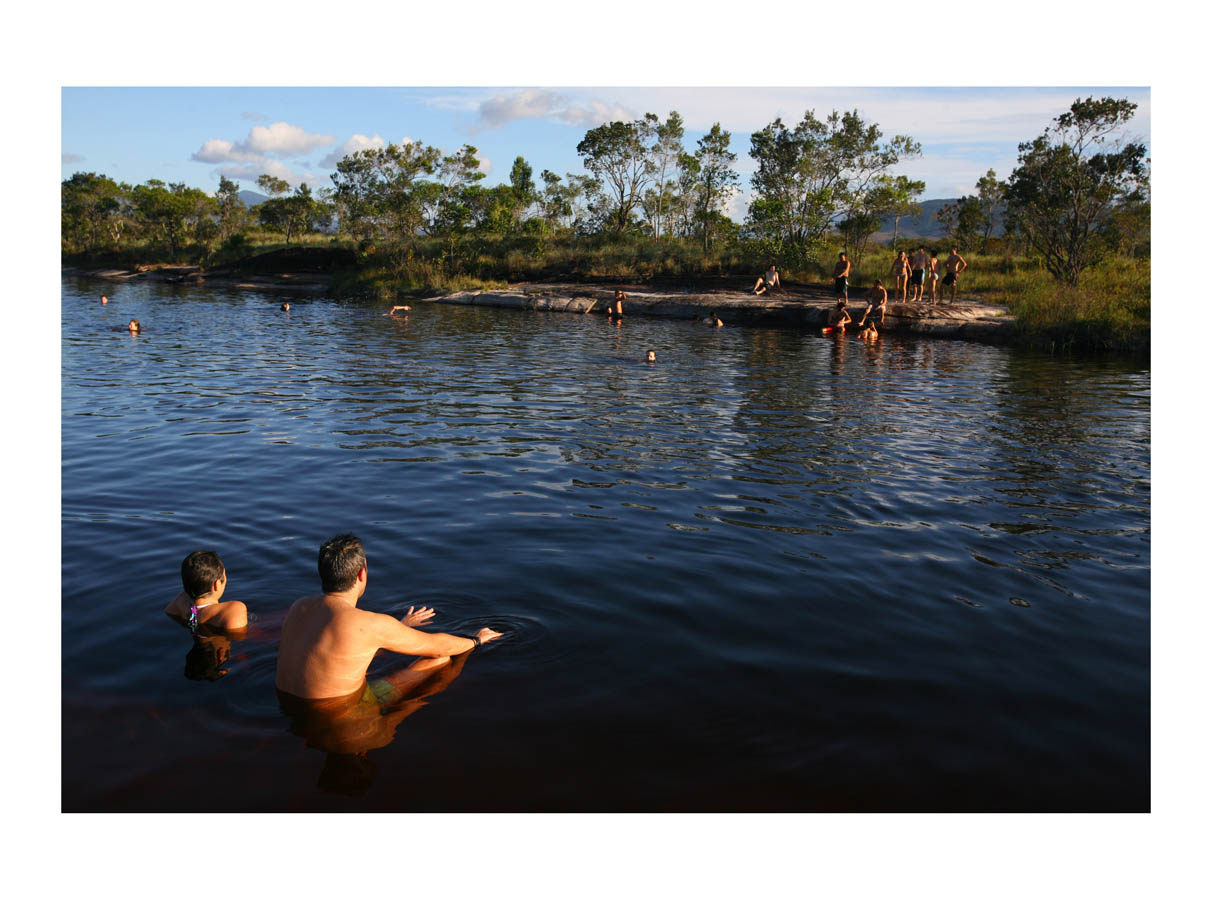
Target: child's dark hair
{"type": "Point", "coordinates": [199, 571]}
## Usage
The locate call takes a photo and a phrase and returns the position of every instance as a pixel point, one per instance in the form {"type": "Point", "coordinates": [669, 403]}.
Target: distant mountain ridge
{"type": "Point", "coordinates": [925, 225]}
{"type": "Point", "coordinates": [251, 198]}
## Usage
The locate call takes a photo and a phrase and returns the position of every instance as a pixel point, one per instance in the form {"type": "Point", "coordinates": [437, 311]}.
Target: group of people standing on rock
{"type": "Point", "coordinates": [911, 272]}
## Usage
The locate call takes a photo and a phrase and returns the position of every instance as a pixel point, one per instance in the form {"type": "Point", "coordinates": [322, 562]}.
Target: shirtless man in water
{"type": "Point", "coordinates": [328, 643]}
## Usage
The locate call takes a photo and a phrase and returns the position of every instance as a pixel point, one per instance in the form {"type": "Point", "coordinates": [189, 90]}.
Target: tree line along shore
{"type": "Point", "coordinates": [1072, 264]}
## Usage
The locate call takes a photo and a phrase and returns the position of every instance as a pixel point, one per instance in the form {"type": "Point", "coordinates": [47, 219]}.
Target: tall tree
{"type": "Point", "coordinates": [233, 214]}
{"type": "Point", "coordinates": [990, 197]}
{"type": "Point", "coordinates": [521, 182]}
{"type": "Point", "coordinates": [272, 185]}
{"type": "Point", "coordinates": [1069, 180]}
{"type": "Point", "coordinates": [166, 211]}
{"type": "Point", "coordinates": [810, 177]}
{"type": "Point", "coordinates": [895, 197]}
{"type": "Point", "coordinates": [617, 155]}
{"type": "Point", "coordinates": [717, 181]}
{"type": "Point", "coordinates": [665, 152]}
{"type": "Point", "coordinates": [89, 203]}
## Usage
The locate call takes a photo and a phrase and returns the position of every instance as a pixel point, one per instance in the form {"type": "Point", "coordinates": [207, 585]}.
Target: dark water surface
{"type": "Point", "coordinates": [772, 571]}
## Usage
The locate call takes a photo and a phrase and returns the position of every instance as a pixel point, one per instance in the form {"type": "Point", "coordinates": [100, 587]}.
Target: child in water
{"type": "Point", "coordinates": [616, 308]}
{"type": "Point", "coordinates": [205, 579]}
{"type": "Point", "coordinates": [134, 327]}
{"type": "Point", "coordinates": [838, 317]}
{"type": "Point", "coordinates": [868, 332]}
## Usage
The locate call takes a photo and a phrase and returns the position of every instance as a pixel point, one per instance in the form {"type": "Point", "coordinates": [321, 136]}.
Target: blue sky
{"type": "Point", "coordinates": [194, 134]}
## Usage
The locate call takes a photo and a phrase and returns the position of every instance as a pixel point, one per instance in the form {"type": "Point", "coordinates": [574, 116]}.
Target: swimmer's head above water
{"type": "Point", "coordinates": [104, 299]}
{"type": "Point", "coordinates": [134, 327]}
{"type": "Point", "coordinates": [285, 307]}
{"type": "Point", "coordinates": [651, 356]}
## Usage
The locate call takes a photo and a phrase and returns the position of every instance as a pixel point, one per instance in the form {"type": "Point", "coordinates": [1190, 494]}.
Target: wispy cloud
{"type": "Point", "coordinates": [249, 116]}
{"type": "Point", "coordinates": [70, 158]}
{"type": "Point", "coordinates": [251, 171]}
{"type": "Point", "coordinates": [537, 103]}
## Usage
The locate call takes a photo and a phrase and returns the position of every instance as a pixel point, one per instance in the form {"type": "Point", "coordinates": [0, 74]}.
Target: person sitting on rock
{"type": "Point", "coordinates": [768, 281]}
{"type": "Point", "coordinates": [877, 301]}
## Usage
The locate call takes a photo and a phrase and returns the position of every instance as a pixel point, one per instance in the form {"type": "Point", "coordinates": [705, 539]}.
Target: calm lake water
{"type": "Point", "coordinates": [772, 571]}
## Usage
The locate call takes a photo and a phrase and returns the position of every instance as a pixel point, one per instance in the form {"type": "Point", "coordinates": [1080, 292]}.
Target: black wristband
{"type": "Point", "coordinates": [476, 638]}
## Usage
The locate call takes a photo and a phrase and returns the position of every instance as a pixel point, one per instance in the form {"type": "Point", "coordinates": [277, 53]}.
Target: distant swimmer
{"type": "Point", "coordinates": [616, 308]}
{"type": "Point", "coordinates": [868, 332]}
{"type": "Point", "coordinates": [838, 317]}
{"type": "Point", "coordinates": [955, 264]}
{"type": "Point", "coordinates": [651, 356]}
{"type": "Point", "coordinates": [768, 281]}
{"type": "Point", "coordinates": [327, 643]}
{"type": "Point", "coordinates": [285, 307]}
{"type": "Point", "coordinates": [713, 320]}
{"type": "Point", "coordinates": [134, 327]}
{"type": "Point", "coordinates": [205, 579]}
{"type": "Point", "coordinates": [392, 311]}
{"type": "Point", "coordinates": [841, 277]}
{"type": "Point", "coordinates": [104, 299]}
{"type": "Point", "coordinates": [877, 302]}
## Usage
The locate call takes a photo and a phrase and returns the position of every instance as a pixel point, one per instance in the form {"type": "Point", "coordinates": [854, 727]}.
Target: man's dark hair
{"type": "Point", "coordinates": [341, 559]}
{"type": "Point", "coordinates": [199, 571]}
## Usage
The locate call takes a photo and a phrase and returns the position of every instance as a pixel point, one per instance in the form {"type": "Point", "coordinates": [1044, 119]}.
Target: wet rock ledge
{"type": "Point", "coordinates": [803, 309]}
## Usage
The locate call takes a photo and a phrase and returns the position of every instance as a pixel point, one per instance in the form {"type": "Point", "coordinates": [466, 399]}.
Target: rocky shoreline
{"type": "Point", "coordinates": [806, 308]}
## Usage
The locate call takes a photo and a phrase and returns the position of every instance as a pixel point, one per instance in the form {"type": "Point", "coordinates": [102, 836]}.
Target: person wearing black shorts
{"type": "Point", "coordinates": [919, 261]}
{"type": "Point", "coordinates": [841, 274]}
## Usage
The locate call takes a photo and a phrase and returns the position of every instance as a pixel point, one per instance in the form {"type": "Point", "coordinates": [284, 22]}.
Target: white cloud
{"type": "Point", "coordinates": [69, 158]}
{"type": "Point", "coordinates": [485, 164]}
{"type": "Point", "coordinates": [279, 139]}
{"type": "Point", "coordinates": [217, 150]}
{"type": "Point", "coordinates": [283, 139]}
{"type": "Point", "coordinates": [535, 103]}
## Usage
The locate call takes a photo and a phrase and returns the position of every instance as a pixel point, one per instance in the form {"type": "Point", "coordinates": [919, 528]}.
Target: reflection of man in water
{"type": "Point", "coordinates": [347, 728]}
{"type": "Point", "coordinates": [328, 643]}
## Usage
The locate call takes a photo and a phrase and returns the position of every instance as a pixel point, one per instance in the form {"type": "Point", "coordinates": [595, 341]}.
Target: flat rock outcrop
{"type": "Point", "coordinates": [805, 309]}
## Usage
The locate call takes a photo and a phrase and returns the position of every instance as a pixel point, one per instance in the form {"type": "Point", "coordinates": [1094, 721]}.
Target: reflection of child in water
{"type": "Point", "coordinates": [207, 658]}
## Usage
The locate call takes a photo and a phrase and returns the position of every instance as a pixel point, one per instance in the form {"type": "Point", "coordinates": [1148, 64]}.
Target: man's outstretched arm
{"type": "Point", "coordinates": [397, 637]}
